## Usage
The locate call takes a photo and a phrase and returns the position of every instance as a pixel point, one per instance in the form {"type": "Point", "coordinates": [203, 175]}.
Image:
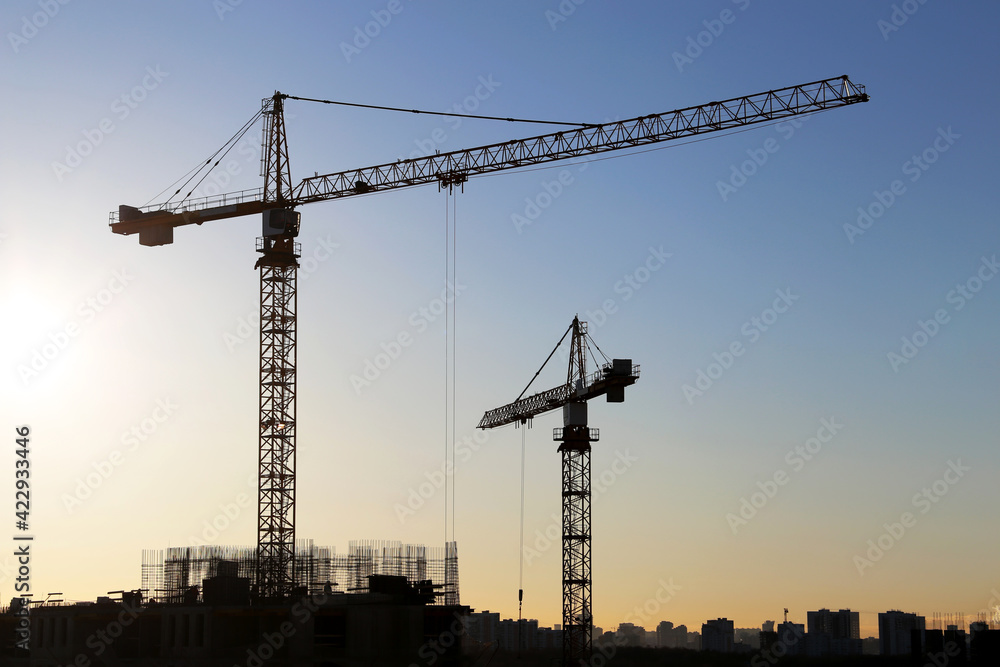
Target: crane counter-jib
{"type": "Point", "coordinates": [156, 222]}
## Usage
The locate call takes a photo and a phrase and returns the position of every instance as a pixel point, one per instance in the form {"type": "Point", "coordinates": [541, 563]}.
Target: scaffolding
{"type": "Point", "coordinates": [176, 575]}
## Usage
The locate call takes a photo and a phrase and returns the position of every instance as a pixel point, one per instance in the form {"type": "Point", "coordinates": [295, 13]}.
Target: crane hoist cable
{"type": "Point", "coordinates": [450, 356]}
{"type": "Point", "coordinates": [447, 333]}
{"type": "Point", "coordinates": [454, 347]}
{"type": "Point", "coordinates": [520, 576]}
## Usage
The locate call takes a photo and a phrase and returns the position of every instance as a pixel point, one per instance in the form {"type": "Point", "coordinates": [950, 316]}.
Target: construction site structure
{"type": "Point", "coordinates": [185, 575]}
{"type": "Point", "coordinates": [278, 264]}
{"type": "Point", "coordinates": [574, 437]}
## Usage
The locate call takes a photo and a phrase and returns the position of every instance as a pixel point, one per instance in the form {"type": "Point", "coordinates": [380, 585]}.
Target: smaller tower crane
{"type": "Point", "coordinates": [574, 437]}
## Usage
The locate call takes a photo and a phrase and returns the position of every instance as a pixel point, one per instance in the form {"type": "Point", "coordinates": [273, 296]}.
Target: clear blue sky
{"type": "Point", "coordinates": [109, 103]}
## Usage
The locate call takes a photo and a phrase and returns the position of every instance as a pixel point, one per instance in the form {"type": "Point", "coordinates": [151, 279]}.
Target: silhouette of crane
{"type": "Point", "coordinates": [278, 263]}
{"type": "Point", "coordinates": [574, 437]}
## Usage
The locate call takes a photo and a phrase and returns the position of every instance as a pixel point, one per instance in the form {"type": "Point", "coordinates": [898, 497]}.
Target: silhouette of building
{"type": "Point", "coordinates": [487, 630]}
{"type": "Point", "coordinates": [984, 644]}
{"type": "Point", "coordinates": [791, 636]}
{"type": "Point", "coordinates": [390, 623]}
{"type": "Point", "coordinates": [718, 635]}
{"type": "Point", "coordinates": [170, 575]}
{"type": "Point", "coordinates": [746, 640]}
{"type": "Point", "coordinates": [896, 631]}
{"type": "Point", "coordinates": [833, 632]}
{"type": "Point", "coordinates": [483, 627]}
{"type": "Point", "coordinates": [629, 634]}
{"type": "Point", "coordinates": [667, 636]}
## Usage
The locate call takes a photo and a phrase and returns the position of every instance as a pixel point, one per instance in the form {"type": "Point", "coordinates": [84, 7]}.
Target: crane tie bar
{"type": "Point", "coordinates": [438, 113]}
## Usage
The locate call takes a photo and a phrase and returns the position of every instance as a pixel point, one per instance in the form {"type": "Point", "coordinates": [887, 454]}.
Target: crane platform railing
{"type": "Point", "coordinates": [198, 203]}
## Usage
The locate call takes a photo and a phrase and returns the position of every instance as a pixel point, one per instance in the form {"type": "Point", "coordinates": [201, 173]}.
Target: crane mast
{"type": "Point", "coordinates": [278, 265]}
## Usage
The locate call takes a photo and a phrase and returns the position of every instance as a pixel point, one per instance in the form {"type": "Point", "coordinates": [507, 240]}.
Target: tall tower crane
{"type": "Point", "coordinates": [575, 437]}
{"type": "Point", "coordinates": [278, 262]}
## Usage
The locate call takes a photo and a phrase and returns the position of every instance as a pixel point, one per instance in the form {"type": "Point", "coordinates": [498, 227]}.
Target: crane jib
{"type": "Point", "coordinates": [643, 130]}
{"type": "Point", "coordinates": [611, 381]}
{"type": "Point", "coordinates": [455, 167]}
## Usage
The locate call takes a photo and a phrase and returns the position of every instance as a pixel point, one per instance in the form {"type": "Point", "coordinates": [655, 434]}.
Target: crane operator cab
{"type": "Point", "coordinates": [281, 222]}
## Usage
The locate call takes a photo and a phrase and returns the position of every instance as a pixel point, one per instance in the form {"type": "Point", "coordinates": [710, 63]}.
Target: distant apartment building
{"type": "Point", "coordinates": [526, 635]}
{"type": "Point", "coordinates": [833, 633]}
{"type": "Point", "coordinates": [667, 636]}
{"type": "Point", "coordinates": [629, 634]}
{"type": "Point", "coordinates": [747, 639]}
{"type": "Point", "coordinates": [896, 630]}
{"type": "Point", "coordinates": [483, 627]}
{"type": "Point", "coordinates": [792, 638]}
{"type": "Point", "coordinates": [718, 635]}
{"type": "Point", "coordinates": [984, 645]}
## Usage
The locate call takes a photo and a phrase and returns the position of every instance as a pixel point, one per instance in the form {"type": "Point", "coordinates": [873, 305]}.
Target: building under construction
{"type": "Point", "coordinates": [185, 575]}
{"type": "Point", "coordinates": [382, 604]}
